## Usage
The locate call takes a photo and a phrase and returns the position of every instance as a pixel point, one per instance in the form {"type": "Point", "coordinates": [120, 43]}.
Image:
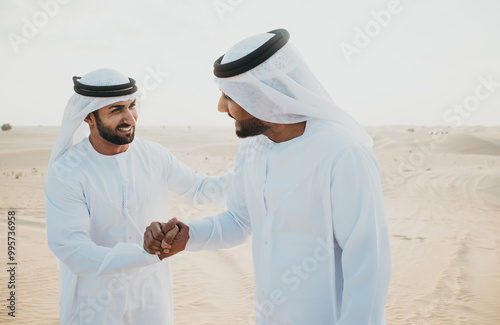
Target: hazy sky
{"type": "Point", "coordinates": [385, 62]}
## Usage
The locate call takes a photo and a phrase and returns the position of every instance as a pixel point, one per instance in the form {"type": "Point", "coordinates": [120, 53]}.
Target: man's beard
{"type": "Point", "coordinates": [251, 127]}
{"type": "Point", "coordinates": [110, 135]}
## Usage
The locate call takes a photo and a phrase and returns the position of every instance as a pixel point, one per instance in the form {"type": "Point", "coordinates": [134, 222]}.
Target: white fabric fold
{"type": "Point", "coordinates": [283, 89]}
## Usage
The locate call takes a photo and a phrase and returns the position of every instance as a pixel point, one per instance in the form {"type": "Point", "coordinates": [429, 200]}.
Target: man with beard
{"type": "Point", "coordinates": [101, 192]}
{"type": "Point", "coordinates": [306, 185]}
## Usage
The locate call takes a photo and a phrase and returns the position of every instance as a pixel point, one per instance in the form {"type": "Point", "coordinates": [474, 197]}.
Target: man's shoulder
{"type": "Point", "coordinates": [330, 130]}
{"type": "Point", "coordinates": [332, 138]}
{"type": "Point", "coordinates": [149, 149]}
{"type": "Point", "coordinates": [141, 143]}
{"type": "Point", "coordinates": [74, 156]}
{"type": "Point", "coordinates": [336, 144]}
{"type": "Point", "coordinates": [70, 168]}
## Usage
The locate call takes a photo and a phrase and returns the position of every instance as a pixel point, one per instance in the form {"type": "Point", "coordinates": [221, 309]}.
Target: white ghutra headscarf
{"type": "Point", "coordinates": [73, 128]}
{"type": "Point", "coordinates": [283, 89]}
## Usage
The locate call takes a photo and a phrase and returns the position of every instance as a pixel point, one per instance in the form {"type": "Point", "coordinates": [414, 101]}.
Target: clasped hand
{"type": "Point", "coordinates": [166, 239]}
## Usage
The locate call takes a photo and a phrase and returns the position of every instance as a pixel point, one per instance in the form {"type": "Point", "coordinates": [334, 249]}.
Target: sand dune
{"type": "Point", "coordinates": [442, 193]}
{"type": "Point", "coordinates": [472, 145]}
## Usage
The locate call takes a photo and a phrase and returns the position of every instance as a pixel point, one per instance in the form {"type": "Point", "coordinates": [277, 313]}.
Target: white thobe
{"type": "Point", "coordinates": [97, 209]}
{"type": "Point", "coordinates": [320, 241]}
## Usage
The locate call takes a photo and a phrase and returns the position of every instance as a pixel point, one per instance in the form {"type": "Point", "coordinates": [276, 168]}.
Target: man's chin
{"type": "Point", "coordinates": [249, 128]}
{"type": "Point", "coordinates": [121, 140]}
{"type": "Point", "coordinates": [242, 134]}
{"type": "Point", "coordinates": [127, 138]}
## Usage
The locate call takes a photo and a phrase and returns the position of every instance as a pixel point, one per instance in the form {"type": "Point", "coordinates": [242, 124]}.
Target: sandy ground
{"type": "Point", "coordinates": [442, 193]}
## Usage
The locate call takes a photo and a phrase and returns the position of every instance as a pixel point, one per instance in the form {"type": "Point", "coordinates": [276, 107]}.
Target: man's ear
{"type": "Point", "coordinates": [90, 119]}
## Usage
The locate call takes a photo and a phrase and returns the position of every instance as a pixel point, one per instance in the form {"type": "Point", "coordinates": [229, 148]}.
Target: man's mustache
{"type": "Point", "coordinates": [123, 126]}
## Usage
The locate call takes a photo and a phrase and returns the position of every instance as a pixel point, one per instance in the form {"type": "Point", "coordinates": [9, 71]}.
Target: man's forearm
{"type": "Point", "coordinates": [221, 231]}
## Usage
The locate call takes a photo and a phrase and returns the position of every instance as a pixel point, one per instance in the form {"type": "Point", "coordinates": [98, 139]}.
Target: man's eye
{"type": "Point", "coordinates": [227, 97]}
{"type": "Point", "coordinates": [116, 110]}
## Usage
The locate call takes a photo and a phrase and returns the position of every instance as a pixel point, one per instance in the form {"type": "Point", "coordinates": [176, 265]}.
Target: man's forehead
{"type": "Point", "coordinates": [120, 103]}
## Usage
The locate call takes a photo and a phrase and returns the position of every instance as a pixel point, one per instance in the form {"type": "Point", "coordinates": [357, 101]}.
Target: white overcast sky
{"type": "Point", "coordinates": [427, 60]}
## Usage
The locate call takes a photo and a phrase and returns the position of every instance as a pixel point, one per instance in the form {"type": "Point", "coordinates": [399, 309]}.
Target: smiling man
{"type": "Point", "coordinates": [101, 192]}
{"type": "Point", "coordinates": [124, 132]}
{"type": "Point", "coordinates": [306, 186]}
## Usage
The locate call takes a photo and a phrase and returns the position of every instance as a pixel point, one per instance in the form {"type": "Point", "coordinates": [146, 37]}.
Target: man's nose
{"type": "Point", "coordinates": [222, 106]}
{"type": "Point", "coordinates": [129, 117]}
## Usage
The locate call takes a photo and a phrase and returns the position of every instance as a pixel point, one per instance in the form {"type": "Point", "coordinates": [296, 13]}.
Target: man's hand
{"type": "Point", "coordinates": [166, 239]}
{"type": "Point", "coordinates": [179, 242]}
{"type": "Point", "coordinates": [156, 233]}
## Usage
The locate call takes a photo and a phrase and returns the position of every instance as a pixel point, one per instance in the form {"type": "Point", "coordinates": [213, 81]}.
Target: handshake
{"type": "Point", "coordinates": [166, 239]}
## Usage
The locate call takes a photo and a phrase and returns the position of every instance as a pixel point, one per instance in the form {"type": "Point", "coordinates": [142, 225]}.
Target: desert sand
{"type": "Point", "coordinates": [442, 193]}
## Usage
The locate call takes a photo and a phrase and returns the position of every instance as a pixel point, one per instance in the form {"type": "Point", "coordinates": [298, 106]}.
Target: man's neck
{"type": "Point", "coordinates": [285, 132]}
{"type": "Point", "coordinates": [105, 147]}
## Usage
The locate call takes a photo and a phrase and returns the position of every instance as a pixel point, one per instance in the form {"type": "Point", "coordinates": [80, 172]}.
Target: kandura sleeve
{"type": "Point", "coordinates": [360, 228]}
{"type": "Point", "coordinates": [226, 229]}
{"type": "Point", "coordinates": [195, 188]}
{"type": "Point", "coordinates": [68, 223]}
